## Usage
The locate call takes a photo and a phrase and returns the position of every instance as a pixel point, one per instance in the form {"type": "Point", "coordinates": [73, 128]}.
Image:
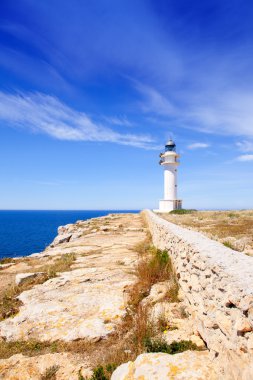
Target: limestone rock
{"type": "Point", "coordinates": [157, 293]}
{"type": "Point", "coordinates": [86, 302]}
{"type": "Point", "coordinates": [189, 365]}
{"type": "Point", "coordinates": [64, 238]}
{"type": "Point", "coordinates": [67, 366]}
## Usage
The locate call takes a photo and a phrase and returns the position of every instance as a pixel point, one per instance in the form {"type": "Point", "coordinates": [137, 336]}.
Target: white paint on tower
{"type": "Point", "coordinates": [169, 161]}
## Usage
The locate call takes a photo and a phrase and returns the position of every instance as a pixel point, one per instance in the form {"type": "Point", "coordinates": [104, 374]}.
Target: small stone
{"type": "Point", "coordinates": [198, 341]}
{"type": "Point", "coordinates": [242, 325]}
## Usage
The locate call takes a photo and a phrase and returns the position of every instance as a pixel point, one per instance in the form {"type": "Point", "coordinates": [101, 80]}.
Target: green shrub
{"type": "Point", "coordinates": [99, 374]}
{"type": "Point", "coordinates": [183, 211]}
{"type": "Point", "coordinates": [153, 345]}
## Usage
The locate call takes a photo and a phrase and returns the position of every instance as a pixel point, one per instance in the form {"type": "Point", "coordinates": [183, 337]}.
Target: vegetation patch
{"type": "Point", "coordinates": [228, 244]}
{"type": "Point", "coordinates": [101, 372]}
{"type": "Point", "coordinates": [61, 264]}
{"type": "Point", "coordinates": [154, 345]}
{"type": "Point", "coordinates": [153, 266]}
{"type": "Point", "coordinates": [183, 211]}
{"type": "Point", "coordinates": [6, 260]}
{"type": "Point", "coordinates": [131, 337]}
{"type": "Point", "coordinates": [50, 373]}
{"type": "Point", "coordinates": [34, 348]}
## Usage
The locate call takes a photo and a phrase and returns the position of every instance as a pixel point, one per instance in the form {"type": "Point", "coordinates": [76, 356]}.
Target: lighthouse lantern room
{"type": "Point", "coordinates": [169, 161]}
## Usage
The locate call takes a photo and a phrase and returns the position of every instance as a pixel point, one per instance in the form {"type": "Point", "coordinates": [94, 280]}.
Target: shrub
{"type": "Point", "coordinates": [50, 373]}
{"type": "Point", "coordinates": [173, 348]}
{"type": "Point", "coordinates": [183, 211]}
{"type": "Point", "coordinates": [102, 372]}
{"type": "Point", "coordinates": [232, 215]}
{"type": "Point", "coordinates": [6, 260]}
{"type": "Point", "coordinates": [155, 266]}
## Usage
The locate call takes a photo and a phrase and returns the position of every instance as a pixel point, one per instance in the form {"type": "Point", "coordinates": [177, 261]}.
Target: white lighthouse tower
{"type": "Point", "coordinates": [169, 161]}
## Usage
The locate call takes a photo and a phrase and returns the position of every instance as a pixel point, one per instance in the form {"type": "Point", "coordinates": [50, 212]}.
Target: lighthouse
{"type": "Point", "coordinates": [169, 162]}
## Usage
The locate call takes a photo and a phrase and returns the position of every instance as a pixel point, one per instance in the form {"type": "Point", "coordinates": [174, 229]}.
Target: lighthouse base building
{"type": "Point", "coordinates": [169, 162]}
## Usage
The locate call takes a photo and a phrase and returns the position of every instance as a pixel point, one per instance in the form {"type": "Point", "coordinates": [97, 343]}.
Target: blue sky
{"type": "Point", "coordinates": [91, 90]}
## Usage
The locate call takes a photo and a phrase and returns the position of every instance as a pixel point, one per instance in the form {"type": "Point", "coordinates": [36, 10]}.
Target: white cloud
{"type": "Point", "coordinates": [245, 146]}
{"type": "Point", "coordinates": [227, 112]}
{"type": "Point", "coordinates": [119, 120]}
{"type": "Point", "coordinates": [245, 157]}
{"type": "Point", "coordinates": [46, 114]}
{"type": "Point", "coordinates": [198, 146]}
{"type": "Point", "coordinates": [154, 102]}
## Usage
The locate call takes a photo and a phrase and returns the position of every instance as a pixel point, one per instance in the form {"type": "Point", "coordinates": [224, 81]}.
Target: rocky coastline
{"type": "Point", "coordinates": [91, 296]}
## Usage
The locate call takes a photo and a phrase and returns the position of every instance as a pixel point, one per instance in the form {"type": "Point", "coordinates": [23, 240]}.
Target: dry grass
{"type": "Point", "coordinates": [218, 225]}
{"type": "Point", "coordinates": [6, 260]}
{"type": "Point", "coordinates": [50, 373]}
{"type": "Point", "coordinates": [34, 348]}
{"type": "Point", "coordinates": [136, 330]}
{"type": "Point", "coordinates": [61, 264]}
{"type": "Point", "coordinates": [153, 266]}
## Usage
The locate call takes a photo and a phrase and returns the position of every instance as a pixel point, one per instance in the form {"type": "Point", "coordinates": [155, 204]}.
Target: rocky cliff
{"type": "Point", "coordinates": [96, 293]}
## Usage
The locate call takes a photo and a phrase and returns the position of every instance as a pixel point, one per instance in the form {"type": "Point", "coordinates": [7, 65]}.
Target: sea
{"type": "Point", "coordinates": [25, 232]}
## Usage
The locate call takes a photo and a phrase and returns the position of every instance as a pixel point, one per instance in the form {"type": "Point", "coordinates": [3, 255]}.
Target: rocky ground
{"type": "Point", "coordinates": [232, 228]}
{"type": "Point", "coordinates": [61, 309]}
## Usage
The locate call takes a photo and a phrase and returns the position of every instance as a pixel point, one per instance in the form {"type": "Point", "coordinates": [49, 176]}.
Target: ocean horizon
{"type": "Point", "coordinates": [23, 232]}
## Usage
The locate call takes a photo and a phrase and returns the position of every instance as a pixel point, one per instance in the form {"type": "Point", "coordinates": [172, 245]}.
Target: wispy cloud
{"type": "Point", "coordinates": [245, 146]}
{"type": "Point", "coordinates": [118, 120]}
{"type": "Point", "coordinates": [245, 158]}
{"type": "Point", "coordinates": [47, 114]}
{"type": "Point", "coordinates": [198, 145]}
{"type": "Point", "coordinates": [229, 112]}
{"type": "Point", "coordinates": [154, 102]}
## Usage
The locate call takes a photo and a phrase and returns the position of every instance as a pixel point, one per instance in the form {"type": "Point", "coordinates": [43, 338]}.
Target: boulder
{"type": "Point", "coordinates": [189, 365]}
{"type": "Point", "coordinates": [63, 238]}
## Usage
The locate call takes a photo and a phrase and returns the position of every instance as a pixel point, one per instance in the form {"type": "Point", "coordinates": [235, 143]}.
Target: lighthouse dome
{"type": "Point", "coordinates": [170, 146]}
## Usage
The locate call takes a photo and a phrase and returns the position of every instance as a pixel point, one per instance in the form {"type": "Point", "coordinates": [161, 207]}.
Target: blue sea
{"type": "Point", "coordinates": [26, 232]}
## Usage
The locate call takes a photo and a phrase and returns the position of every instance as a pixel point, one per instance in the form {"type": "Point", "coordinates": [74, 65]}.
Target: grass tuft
{"type": "Point", "coordinates": [50, 373]}
{"type": "Point", "coordinates": [228, 244]}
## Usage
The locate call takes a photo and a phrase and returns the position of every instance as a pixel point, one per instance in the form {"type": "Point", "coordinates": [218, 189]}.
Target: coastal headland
{"type": "Point", "coordinates": [127, 296]}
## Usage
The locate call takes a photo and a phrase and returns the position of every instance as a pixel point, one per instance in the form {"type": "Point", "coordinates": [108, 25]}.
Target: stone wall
{"type": "Point", "coordinates": [218, 285]}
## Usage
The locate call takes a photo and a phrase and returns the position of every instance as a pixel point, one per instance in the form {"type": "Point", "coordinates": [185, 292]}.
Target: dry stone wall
{"type": "Point", "coordinates": [218, 285]}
